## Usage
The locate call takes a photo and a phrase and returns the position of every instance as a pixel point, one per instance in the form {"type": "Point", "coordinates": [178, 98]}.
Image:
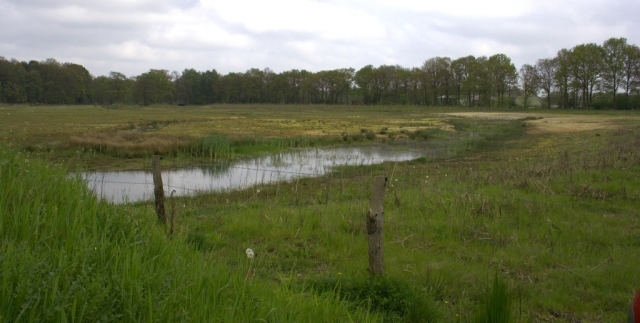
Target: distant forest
{"type": "Point", "coordinates": [596, 76]}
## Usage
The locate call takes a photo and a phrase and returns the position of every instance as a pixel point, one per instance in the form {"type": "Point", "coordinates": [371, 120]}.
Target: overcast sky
{"type": "Point", "coordinates": [133, 36]}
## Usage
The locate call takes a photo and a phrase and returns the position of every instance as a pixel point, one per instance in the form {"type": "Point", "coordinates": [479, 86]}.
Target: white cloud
{"type": "Point", "coordinates": [303, 47]}
{"type": "Point", "coordinates": [489, 47]}
{"type": "Point", "coordinates": [194, 30]}
{"type": "Point", "coordinates": [132, 51]}
{"type": "Point", "coordinates": [329, 21]}
{"type": "Point", "coordinates": [464, 8]}
{"type": "Point", "coordinates": [132, 36]}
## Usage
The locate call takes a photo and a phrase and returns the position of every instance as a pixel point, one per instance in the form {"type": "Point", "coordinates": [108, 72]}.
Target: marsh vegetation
{"type": "Point", "coordinates": [533, 217]}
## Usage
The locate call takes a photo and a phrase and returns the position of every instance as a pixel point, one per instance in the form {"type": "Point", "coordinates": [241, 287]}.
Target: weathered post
{"type": "Point", "coordinates": [374, 226]}
{"type": "Point", "coordinates": [158, 190]}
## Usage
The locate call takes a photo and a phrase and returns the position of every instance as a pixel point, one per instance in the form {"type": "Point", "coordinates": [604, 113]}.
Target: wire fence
{"type": "Point", "coordinates": [531, 159]}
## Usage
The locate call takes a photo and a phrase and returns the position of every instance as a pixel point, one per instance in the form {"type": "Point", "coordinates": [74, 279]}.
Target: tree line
{"type": "Point", "coordinates": [585, 76]}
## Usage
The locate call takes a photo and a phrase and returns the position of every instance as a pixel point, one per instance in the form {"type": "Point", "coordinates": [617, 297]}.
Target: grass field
{"type": "Point", "coordinates": [534, 217]}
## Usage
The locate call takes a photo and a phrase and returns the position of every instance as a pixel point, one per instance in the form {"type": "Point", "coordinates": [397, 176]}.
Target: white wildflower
{"type": "Point", "coordinates": [250, 253]}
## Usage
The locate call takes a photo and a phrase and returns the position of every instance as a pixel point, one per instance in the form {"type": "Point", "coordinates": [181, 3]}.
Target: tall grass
{"type": "Point", "coordinates": [555, 219]}
{"type": "Point", "coordinates": [495, 303]}
{"type": "Point", "coordinates": [219, 146]}
{"type": "Point", "coordinates": [66, 257]}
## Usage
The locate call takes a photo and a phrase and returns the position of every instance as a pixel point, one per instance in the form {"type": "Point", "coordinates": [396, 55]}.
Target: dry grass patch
{"type": "Point", "coordinates": [130, 143]}
{"type": "Point", "coordinates": [553, 122]}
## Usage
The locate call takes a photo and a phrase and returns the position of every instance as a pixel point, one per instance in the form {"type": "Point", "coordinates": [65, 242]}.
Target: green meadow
{"type": "Point", "coordinates": [529, 216]}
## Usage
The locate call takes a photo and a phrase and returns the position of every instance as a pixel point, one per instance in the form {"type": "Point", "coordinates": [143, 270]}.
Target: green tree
{"type": "Point", "coordinates": [292, 83]}
{"type": "Point", "coordinates": [12, 81]}
{"type": "Point", "coordinates": [230, 88]}
{"type": "Point", "coordinates": [208, 81]}
{"type": "Point", "coordinates": [188, 87]}
{"type": "Point", "coordinates": [364, 79]}
{"type": "Point", "coordinates": [546, 69]}
{"type": "Point", "coordinates": [529, 82]}
{"type": "Point", "coordinates": [415, 86]}
{"type": "Point", "coordinates": [586, 66]}
{"type": "Point", "coordinates": [613, 65]}
{"type": "Point", "coordinates": [503, 75]}
{"type": "Point", "coordinates": [154, 87]}
{"type": "Point", "coordinates": [468, 80]}
{"type": "Point", "coordinates": [33, 86]}
{"type": "Point", "coordinates": [83, 92]}
{"type": "Point", "coordinates": [631, 71]}
{"type": "Point", "coordinates": [482, 81]}
{"type": "Point", "coordinates": [438, 77]}
{"type": "Point", "coordinates": [120, 87]}
{"type": "Point", "coordinates": [460, 73]}
{"type": "Point", "coordinates": [101, 93]}
{"type": "Point", "coordinates": [402, 85]}
{"type": "Point", "coordinates": [563, 77]}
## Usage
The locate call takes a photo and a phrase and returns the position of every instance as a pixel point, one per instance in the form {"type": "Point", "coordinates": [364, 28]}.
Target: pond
{"type": "Point", "coordinates": [133, 186]}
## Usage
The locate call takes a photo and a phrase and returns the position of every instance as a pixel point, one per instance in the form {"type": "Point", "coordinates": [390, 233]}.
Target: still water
{"type": "Point", "coordinates": [133, 186]}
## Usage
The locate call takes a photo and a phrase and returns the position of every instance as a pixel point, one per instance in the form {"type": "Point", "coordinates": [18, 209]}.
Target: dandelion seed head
{"type": "Point", "coordinates": [250, 253]}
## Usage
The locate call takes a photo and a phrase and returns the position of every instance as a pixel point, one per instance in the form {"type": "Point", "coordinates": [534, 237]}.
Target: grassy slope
{"type": "Point", "coordinates": [64, 257]}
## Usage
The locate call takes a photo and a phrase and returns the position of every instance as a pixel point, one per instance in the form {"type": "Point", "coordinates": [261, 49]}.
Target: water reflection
{"type": "Point", "coordinates": [124, 186]}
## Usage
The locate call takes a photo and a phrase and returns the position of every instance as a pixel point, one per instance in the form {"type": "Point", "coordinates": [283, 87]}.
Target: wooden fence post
{"type": "Point", "coordinates": [374, 226]}
{"type": "Point", "coordinates": [158, 190]}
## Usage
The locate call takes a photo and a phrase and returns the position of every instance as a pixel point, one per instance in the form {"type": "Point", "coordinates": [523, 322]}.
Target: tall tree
{"type": "Point", "coordinates": [460, 72]}
{"type": "Point", "coordinates": [563, 77]}
{"type": "Point", "coordinates": [631, 72]}
{"type": "Point", "coordinates": [12, 81]}
{"type": "Point", "coordinates": [85, 90]}
{"type": "Point", "coordinates": [546, 69]}
{"type": "Point", "coordinates": [503, 75]}
{"type": "Point", "coordinates": [120, 86]}
{"type": "Point", "coordinates": [586, 65]}
{"type": "Point", "coordinates": [208, 81]}
{"type": "Point", "coordinates": [403, 84]}
{"type": "Point", "coordinates": [33, 86]}
{"type": "Point", "coordinates": [482, 81]}
{"type": "Point", "coordinates": [187, 85]}
{"type": "Point", "coordinates": [154, 87]}
{"type": "Point", "coordinates": [528, 81]}
{"type": "Point", "coordinates": [467, 66]}
{"type": "Point", "coordinates": [364, 80]}
{"type": "Point", "coordinates": [613, 65]}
